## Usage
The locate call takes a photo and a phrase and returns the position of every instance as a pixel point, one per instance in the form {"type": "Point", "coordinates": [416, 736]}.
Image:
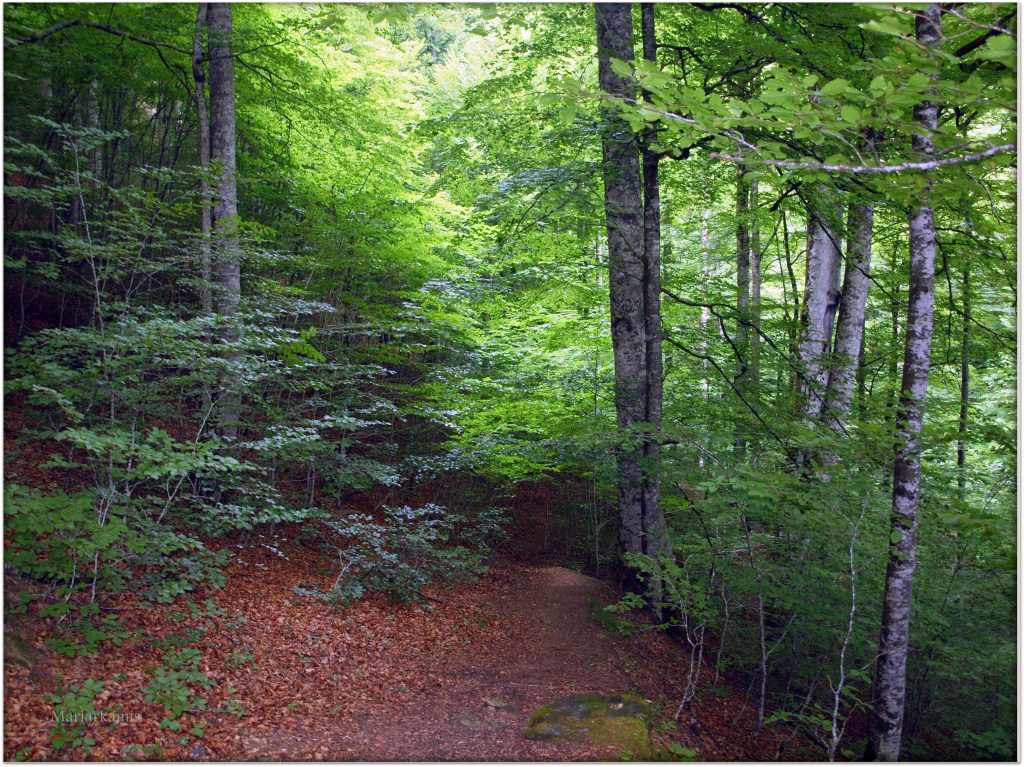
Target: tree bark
{"type": "Point", "coordinates": [886, 724]}
{"type": "Point", "coordinates": [742, 289]}
{"type": "Point", "coordinates": [755, 295]}
{"type": "Point", "coordinates": [206, 213]}
{"type": "Point", "coordinates": [821, 298]}
{"type": "Point", "coordinates": [846, 356]}
{"type": "Point", "coordinates": [642, 529]}
{"type": "Point", "coordinates": [965, 387]}
{"type": "Point", "coordinates": [656, 540]}
{"type": "Point", "coordinates": [226, 262]}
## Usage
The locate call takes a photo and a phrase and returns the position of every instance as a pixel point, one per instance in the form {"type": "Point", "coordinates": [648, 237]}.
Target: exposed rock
{"type": "Point", "coordinates": [607, 720]}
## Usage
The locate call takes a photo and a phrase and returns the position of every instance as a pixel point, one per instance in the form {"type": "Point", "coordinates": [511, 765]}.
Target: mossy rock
{"type": "Point", "coordinates": [607, 720]}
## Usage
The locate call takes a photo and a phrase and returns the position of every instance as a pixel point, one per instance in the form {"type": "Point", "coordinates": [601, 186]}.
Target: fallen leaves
{"type": "Point", "coordinates": [376, 681]}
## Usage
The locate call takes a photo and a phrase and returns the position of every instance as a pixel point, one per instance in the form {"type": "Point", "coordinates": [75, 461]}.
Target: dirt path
{"type": "Point", "coordinates": [546, 645]}
{"type": "Point", "coordinates": [456, 679]}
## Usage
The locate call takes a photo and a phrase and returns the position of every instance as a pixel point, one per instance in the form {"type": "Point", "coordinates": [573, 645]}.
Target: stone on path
{"type": "Point", "coordinates": [606, 720]}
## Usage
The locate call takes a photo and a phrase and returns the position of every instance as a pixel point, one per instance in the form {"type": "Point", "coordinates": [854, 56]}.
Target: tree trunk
{"type": "Point", "coordinates": [821, 298]}
{"type": "Point", "coordinates": [965, 388]}
{"type": "Point", "coordinates": [226, 263]}
{"type": "Point", "coordinates": [705, 312]}
{"type": "Point", "coordinates": [850, 326]}
{"type": "Point", "coordinates": [755, 295]}
{"type": "Point", "coordinates": [642, 530]}
{"type": "Point", "coordinates": [886, 725]}
{"type": "Point", "coordinates": [742, 288]}
{"type": "Point", "coordinates": [206, 223]}
{"type": "Point", "coordinates": [656, 540]}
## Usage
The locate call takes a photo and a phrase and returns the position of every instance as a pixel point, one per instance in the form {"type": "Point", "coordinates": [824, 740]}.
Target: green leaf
{"type": "Point", "coordinates": [834, 87]}
{"type": "Point", "coordinates": [850, 113]}
{"type": "Point", "coordinates": [621, 68]}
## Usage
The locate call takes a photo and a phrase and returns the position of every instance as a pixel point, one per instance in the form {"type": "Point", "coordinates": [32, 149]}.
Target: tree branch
{"type": "Point", "coordinates": [69, 23]}
{"type": "Point", "coordinates": [924, 166]}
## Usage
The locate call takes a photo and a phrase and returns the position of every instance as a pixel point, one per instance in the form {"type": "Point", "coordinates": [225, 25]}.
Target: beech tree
{"type": "Point", "coordinates": [227, 272]}
{"type": "Point", "coordinates": [473, 274]}
{"type": "Point", "coordinates": [631, 212]}
{"type": "Point", "coordinates": [894, 641]}
{"type": "Point", "coordinates": [820, 302]}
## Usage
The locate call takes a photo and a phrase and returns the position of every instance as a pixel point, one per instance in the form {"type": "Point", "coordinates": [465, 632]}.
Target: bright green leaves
{"type": "Point", "coordinates": [293, 352]}
{"type": "Point", "coordinates": [621, 68]}
{"type": "Point", "coordinates": [390, 13]}
{"type": "Point", "coordinates": [1002, 49]}
{"type": "Point", "coordinates": [879, 87]}
{"type": "Point", "coordinates": [890, 24]}
{"type": "Point", "coordinates": [835, 87]}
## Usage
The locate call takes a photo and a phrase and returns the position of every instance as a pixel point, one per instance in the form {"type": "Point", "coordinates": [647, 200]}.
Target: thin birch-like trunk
{"type": "Point", "coordinates": [742, 290]}
{"type": "Point", "coordinates": [842, 376]}
{"type": "Point", "coordinates": [965, 387]}
{"type": "Point", "coordinates": [821, 298]}
{"type": "Point", "coordinates": [886, 726]}
{"type": "Point", "coordinates": [755, 295]}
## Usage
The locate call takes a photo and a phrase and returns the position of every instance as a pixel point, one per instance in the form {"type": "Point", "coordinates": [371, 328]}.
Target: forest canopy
{"type": "Point", "coordinates": [736, 281]}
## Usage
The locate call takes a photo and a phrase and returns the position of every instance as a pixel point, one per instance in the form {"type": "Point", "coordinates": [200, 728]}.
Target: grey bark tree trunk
{"type": "Point", "coordinates": [886, 726]}
{"type": "Point", "coordinates": [965, 387]}
{"type": "Point", "coordinates": [846, 356]}
{"type": "Point", "coordinates": [206, 221]}
{"type": "Point", "coordinates": [624, 215]}
{"type": "Point", "coordinates": [642, 529]}
{"type": "Point", "coordinates": [755, 294]}
{"type": "Point", "coordinates": [226, 261]}
{"type": "Point", "coordinates": [742, 289]}
{"type": "Point", "coordinates": [821, 298]}
{"type": "Point", "coordinates": [656, 533]}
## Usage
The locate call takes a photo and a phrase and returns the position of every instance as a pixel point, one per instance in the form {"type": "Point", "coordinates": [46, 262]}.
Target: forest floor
{"type": "Point", "coordinates": [456, 678]}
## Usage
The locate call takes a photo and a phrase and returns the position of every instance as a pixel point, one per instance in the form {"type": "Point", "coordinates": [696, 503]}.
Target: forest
{"type": "Point", "coordinates": [501, 382]}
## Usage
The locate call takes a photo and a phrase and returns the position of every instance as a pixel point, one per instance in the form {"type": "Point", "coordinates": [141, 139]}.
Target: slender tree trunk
{"type": "Point", "coordinates": [705, 312]}
{"type": "Point", "coordinates": [206, 223]}
{"type": "Point", "coordinates": [226, 262]}
{"type": "Point", "coordinates": [755, 295]}
{"type": "Point", "coordinates": [886, 724]}
{"type": "Point", "coordinates": [793, 327]}
{"type": "Point", "coordinates": [656, 541]}
{"type": "Point", "coordinates": [641, 531]}
{"type": "Point", "coordinates": [742, 289]}
{"type": "Point", "coordinates": [821, 298]}
{"type": "Point", "coordinates": [92, 121]}
{"type": "Point", "coordinates": [965, 387]}
{"type": "Point", "coordinates": [850, 326]}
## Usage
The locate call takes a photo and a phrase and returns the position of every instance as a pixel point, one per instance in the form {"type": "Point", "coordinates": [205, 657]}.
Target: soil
{"type": "Point", "coordinates": [455, 679]}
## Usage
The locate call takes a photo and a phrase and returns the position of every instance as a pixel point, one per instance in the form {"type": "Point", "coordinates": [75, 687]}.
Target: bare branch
{"type": "Point", "coordinates": [905, 166]}
{"type": "Point", "coordinates": [69, 23]}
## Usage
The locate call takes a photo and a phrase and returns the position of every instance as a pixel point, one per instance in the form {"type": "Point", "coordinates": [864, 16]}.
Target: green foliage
{"type": "Point", "coordinates": [175, 685]}
{"type": "Point", "coordinates": [233, 707]}
{"type": "Point", "coordinates": [73, 709]}
{"type": "Point", "coordinates": [425, 301]}
{"type": "Point", "coordinates": [608, 620]}
{"type": "Point", "coordinates": [404, 552]}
